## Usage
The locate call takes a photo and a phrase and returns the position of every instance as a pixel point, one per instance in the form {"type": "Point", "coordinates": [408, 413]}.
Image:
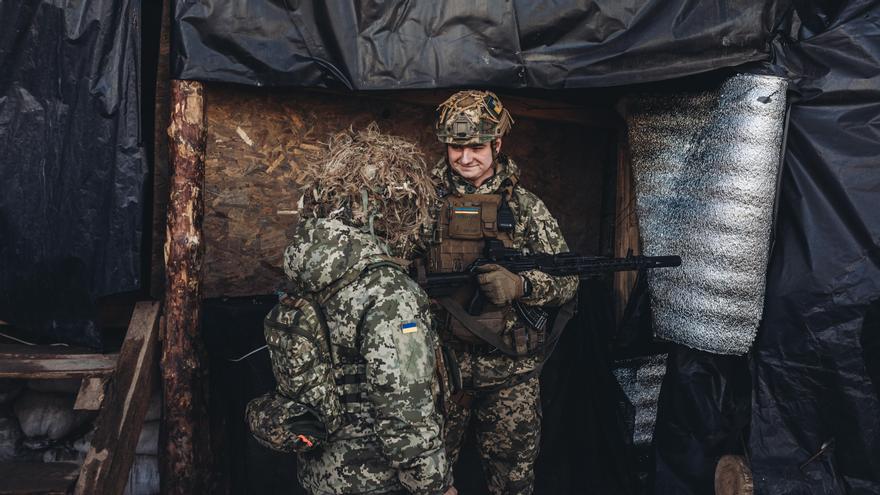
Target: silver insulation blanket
{"type": "Point", "coordinates": [640, 379]}
{"type": "Point", "coordinates": [705, 169]}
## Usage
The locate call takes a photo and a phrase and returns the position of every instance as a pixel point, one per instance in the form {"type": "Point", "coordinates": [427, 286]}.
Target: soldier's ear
{"type": "Point", "coordinates": [497, 145]}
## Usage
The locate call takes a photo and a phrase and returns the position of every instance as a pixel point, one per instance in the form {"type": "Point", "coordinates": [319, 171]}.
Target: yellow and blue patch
{"type": "Point", "coordinates": [466, 210]}
{"type": "Point", "coordinates": [409, 326]}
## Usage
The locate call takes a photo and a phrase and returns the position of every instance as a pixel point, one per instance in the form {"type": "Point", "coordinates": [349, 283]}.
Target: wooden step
{"type": "Point", "coordinates": [120, 395]}
{"type": "Point", "coordinates": [44, 362]}
{"type": "Point", "coordinates": [32, 478]}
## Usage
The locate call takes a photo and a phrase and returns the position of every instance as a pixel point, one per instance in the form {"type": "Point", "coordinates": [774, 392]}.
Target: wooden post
{"type": "Point", "coordinates": [626, 225]}
{"type": "Point", "coordinates": [186, 463]}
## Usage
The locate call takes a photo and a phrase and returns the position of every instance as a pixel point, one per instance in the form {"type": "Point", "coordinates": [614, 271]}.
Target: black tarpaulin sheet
{"type": "Point", "coordinates": [366, 44]}
{"type": "Point", "coordinates": [72, 167]}
{"type": "Point", "coordinates": [816, 350]}
{"type": "Point", "coordinates": [814, 421]}
{"type": "Point", "coordinates": [701, 413]}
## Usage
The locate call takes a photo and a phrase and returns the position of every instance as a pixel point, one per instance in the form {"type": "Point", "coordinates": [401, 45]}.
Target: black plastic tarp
{"type": "Point", "coordinates": [499, 43]}
{"type": "Point", "coordinates": [814, 421]}
{"type": "Point", "coordinates": [72, 166]}
{"type": "Point", "coordinates": [816, 350]}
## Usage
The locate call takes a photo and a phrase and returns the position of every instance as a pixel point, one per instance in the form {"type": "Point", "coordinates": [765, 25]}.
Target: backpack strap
{"type": "Point", "coordinates": [355, 273]}
{"type": "Point", "coordinates": [299, 303]}
{"type": "Point", "coordinates": [349, 356]}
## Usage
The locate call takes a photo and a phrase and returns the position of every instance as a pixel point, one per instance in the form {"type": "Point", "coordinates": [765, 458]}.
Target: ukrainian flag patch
{"type": "Point", "coordinates": [409, 327]}
{"type": "Point", "coordinates": [466, 210]}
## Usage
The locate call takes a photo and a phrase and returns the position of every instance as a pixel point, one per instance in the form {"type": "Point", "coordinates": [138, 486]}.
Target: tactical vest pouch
{"type": "Point", "coordinates": [448, 378]}
{"type": "Point", "coordinates": [493, 320]}
{"type": "Point", "coordinates": [525, 341]}
{"type": "Point", "coordinates": [472, 216]}
{"type": "Point", "coordinates": [305, 408]}
{"type": "Point", "coordinates": [519, 341]}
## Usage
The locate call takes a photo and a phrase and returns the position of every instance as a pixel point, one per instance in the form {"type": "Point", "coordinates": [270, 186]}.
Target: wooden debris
{"type": "Point", "coordinates": [91, 394]}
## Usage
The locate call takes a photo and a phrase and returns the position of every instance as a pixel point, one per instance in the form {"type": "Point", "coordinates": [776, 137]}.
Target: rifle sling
{"type": "Point", "coordinates": [566, 313]}
{"type": "Point", "coordinates": [475, 326]}
{"type": "Point", "coordinates": [563, 316]}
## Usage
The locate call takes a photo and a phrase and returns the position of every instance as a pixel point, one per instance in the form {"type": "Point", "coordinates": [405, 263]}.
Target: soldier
{"type": "Point", "coordinates": [481, 199]}
{"type": "Point", "coordinates": [383, 347]}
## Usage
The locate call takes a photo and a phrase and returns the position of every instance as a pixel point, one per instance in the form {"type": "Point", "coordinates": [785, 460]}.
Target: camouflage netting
{"type": "Point", "coordinates": [372, 180]}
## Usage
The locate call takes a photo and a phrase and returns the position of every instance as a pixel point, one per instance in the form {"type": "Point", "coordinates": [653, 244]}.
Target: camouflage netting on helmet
{"type": "Point", "coordinates": [472, 117]}
{"type": "Point", "coordinates": [372, 180]}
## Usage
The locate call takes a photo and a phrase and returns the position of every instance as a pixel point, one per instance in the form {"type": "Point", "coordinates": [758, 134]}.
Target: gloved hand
{"type": "Point", "coordinates": [499, 284]}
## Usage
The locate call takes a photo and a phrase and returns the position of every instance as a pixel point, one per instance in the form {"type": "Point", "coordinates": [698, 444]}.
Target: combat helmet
{"type": "Point", "coordinates": [472, 117]}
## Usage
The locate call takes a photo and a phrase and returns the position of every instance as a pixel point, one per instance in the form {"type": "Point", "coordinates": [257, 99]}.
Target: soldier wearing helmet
{"type": "Point", "coordinates": [481, 199]}
{"type": "Point", "coordinates": [382, 349]}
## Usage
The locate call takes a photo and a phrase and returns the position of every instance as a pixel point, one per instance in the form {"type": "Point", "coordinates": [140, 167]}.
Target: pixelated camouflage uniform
{"type": "Point", "coordinates": [508, 418]}
{"type": "Point", "coordinates": [392, 441]}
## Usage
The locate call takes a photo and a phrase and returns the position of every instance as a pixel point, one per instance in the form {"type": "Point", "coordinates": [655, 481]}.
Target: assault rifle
{"type": "Point", "coordinates": [585, 267]}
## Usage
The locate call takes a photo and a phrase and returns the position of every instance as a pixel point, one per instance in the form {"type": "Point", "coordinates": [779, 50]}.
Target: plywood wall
{"type": "Point", "coordinates": [258, 138]}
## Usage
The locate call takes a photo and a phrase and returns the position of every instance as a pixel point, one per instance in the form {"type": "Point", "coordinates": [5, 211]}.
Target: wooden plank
{"type": "Point", "coordinates": [588, 115]}
{"type": "Point", "coordinates": [626, 229]}
{"type": "Point", "coordinates": [109, 459]}
{"type": "Point", "coordinates": [91, 394]}
{"type": "Point", "coordinates": [55, 366]}
{"type": "Point", "coordinates": [13, 351]}
{"type": "Point", "coordinates": [33, 478]}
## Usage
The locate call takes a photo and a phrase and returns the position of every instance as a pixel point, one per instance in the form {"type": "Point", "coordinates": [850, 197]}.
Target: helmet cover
{"type": "Point", "coordinates": [472, 117]}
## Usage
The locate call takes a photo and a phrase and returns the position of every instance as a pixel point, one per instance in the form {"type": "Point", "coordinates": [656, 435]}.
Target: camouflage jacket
{"type": "Point", "coordinates": [393, 440]}
{"type": "Point", "coordinates": [536, 231]}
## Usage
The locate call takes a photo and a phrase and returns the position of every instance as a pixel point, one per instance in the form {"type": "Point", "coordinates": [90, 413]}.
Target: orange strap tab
{"type": "Point", "coordinates": [304, 439]}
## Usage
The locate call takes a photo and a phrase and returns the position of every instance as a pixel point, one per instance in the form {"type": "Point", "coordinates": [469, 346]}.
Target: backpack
{"type": "Point", "coordinates": [304, 409]}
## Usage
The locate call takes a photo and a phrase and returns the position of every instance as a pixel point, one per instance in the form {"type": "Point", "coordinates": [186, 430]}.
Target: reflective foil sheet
{"type": "Point", "coordinates": [705, 168]}
{"type": "Point", "coordinates": [640, 379]}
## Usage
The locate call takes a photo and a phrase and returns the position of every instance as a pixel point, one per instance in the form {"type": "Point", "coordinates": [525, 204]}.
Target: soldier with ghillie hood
{"type": "Point", "coordinates": [481, 200]}
{"type": "Point", "coordinates": [364, 205]}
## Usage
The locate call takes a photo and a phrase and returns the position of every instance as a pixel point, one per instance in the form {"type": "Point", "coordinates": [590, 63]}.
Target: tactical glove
{"type": "Point", "coordinates": [499, 284]}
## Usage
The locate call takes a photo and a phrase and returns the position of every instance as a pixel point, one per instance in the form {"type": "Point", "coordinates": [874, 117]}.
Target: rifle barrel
{"type": "Point", "coordinates": [560, 265]}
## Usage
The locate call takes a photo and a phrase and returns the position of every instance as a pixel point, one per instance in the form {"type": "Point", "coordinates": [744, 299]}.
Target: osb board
{"type": "Point", "coordinates": [257, 138]}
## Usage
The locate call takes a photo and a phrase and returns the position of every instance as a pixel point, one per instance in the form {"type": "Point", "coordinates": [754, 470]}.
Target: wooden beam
{"type": "Point", "coordinates": [186, 463]}
{"type": "Point", "coordinates": [22, 351]}
{"type": "Point", "coordinates": [626, 226]}
{"type": "Point", "coordinates": [518, 106]}
{"type": "Point", "coordinates": [40, 362]}
{"type": "Point", "coordinates": [108, 461]}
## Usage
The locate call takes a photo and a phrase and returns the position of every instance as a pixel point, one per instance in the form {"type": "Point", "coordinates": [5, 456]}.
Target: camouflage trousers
{"type": "Point", "coordinates": [508, 430]}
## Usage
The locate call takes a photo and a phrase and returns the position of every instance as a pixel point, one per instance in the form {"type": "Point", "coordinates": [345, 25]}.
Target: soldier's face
{"type": "Point", "coordinates": [474, 162]}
